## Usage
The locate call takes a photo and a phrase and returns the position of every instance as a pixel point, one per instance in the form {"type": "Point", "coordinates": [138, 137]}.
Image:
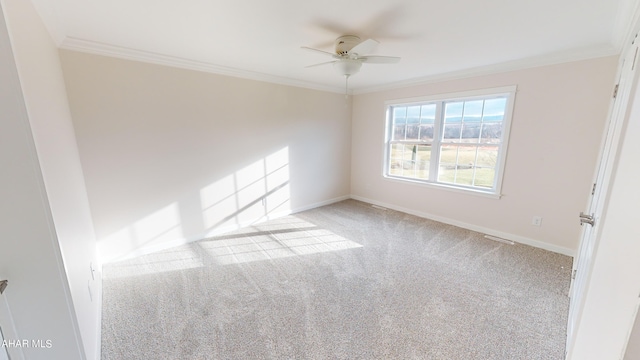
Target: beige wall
{"type": "Point", "coordinates": [173, 155]}
{"type": "Point", "coordinates": [557, 125]}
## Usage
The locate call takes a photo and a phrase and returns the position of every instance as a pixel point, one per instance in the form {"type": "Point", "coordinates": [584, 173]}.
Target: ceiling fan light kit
{"type": "Point", "coordinates": [347, 67]}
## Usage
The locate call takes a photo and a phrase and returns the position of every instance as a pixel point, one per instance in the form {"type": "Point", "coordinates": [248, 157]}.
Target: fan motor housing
{"type": "Point", "coordinates": [345, 43]}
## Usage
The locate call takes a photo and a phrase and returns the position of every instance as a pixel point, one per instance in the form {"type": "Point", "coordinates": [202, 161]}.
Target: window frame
{"type": "Point", "coordinates": [482, 94]}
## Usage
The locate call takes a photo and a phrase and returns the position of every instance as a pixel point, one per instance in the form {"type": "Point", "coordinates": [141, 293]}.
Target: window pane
{"type": "Point", "coordinates": [409, 160]}
{"type": "Point", "coordinates": [452, 120]}
{"type": "Point", "coordinates": [464, 175]}
{"type": "Point", "coordinates": [423, 161]}
{"type": "Point", "coordinates": [413, 123]}
{"type": "Point", "coordinates": [453, 111]}
{"type": "Point", "coordinates": [399, 113]}
{"type": "Point", "coordinates": [484, 177]}
{"type": "Point", "coordinates": [398, 132]}
{"type": "Point", "coordinates": [452, 131]}
{"type": "Point", "coordinates": [427, 119]}
{"type": "Point", "coordinates": [399, 123]}
{"type": "Point", "coordinates": [473, 110]}
{"type": "Point", "coordinates": [457, 164]}
{"type": "Point", "coordinates": [428, 114]}
{"type": "Point", "coordinates": [413, 112]}
{"type": "Point", "coordinates": [426, 132]}
{"type": "Point", "coordinates": [470, 132]}
{"type": "Point", "coordinates": [395, 159]}
{"type": "Point", "coordinates": [494, 109]}
{"type": "Point", "coordinates": [464, 165]}
{"type": "Point", "coordinates": [491, 132]}
{"type": "Point", "coordinates": [486, 162]}
{"type": "Point", "coordinates": [447, 168]}
{"type": "Point", "coordinates": [487, 156]}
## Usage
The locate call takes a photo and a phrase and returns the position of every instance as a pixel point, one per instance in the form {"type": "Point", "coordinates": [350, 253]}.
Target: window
{"type": "Point", "coordinates": [457, 140]}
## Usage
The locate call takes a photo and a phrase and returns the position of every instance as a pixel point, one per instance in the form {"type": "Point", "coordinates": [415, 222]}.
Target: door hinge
{"type": "Point", "coordinates": [593, 190]}
{"type": "Point", "coordinates": [615, 90]}
{"type": "Point", "coordinates": [587, 219]}
{"type": "Point", "coordinates": [573, 274]}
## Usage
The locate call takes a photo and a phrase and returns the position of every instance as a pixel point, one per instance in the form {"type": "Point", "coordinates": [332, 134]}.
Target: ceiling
{"type": "Point", "coordinates": [261, 39]}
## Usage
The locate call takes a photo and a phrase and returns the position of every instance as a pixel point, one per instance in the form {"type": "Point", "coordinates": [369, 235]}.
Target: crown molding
{"type": "Point", "coordinates": [97, 48]}
{"type": "Point", "coordinates": [532, 62]}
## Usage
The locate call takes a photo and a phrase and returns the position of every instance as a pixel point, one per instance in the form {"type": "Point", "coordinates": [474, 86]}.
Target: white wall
{"type": "Point", "coordinates": [611, 298]}
{"type": "Point", "coordinates": [47, 107]}
{"type": "Point", "coordinates": [557, 125]}
{"type": "Point", "coordinates": [173, 155]}
{"type": "Point", "coordinates": [38, 294]}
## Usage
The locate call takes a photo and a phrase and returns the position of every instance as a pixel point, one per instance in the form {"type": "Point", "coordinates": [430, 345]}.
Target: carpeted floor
{"type": "Point", "coordinates": [345, 281]}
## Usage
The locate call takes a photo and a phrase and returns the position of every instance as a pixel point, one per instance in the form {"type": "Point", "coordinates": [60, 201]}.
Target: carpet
{"type": "Point", "coordinates": [344, 281]}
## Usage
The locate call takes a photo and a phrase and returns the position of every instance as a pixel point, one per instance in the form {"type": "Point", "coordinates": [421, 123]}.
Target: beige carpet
{"type": "Point", "coordinates": [345, 281]}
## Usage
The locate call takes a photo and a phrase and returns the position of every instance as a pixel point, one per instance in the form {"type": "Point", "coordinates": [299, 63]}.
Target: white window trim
{"type": "Point", "coordinates": [465, 95]}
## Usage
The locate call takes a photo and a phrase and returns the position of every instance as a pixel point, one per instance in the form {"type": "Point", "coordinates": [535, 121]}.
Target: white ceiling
{"type": "Point", "coordinates": [261, 39]}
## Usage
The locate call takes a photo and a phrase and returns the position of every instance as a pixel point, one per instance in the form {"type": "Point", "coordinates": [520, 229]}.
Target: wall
{"type": "Point", "coordinates": [47, 106]}
{"type": "Point", "coordinates": [173, 155]}
{"type": "Point", "coordinates": [611, 298]}
{"type": "Point", "coordinates": [633, 347]}
{"type": "Point", "coordinates": [558, 119]}
{"type": "Point", "coordinates": [38, 294]}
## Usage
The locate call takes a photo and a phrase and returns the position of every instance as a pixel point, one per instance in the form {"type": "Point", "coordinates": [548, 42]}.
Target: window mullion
{"type": "Point", "coordinates": [435, 147]}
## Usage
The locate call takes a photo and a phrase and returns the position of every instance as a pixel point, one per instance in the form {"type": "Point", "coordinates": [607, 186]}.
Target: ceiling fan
{"type": "Point", "coordinates": [351, 53]}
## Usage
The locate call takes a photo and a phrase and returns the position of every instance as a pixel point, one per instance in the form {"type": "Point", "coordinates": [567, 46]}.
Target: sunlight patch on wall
{"type": "Point", "coordinates": [160, 227]}
{"type": "Point", "coordinates": [251, 194]}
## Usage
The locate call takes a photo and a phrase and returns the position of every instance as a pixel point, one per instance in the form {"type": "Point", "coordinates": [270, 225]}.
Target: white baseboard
{"type": "Point", "coordinates": [320, 203]}
{"type": "Point", "coordinates": [149, 249]}
{"type": "Point", "coordinates": [515, 238]}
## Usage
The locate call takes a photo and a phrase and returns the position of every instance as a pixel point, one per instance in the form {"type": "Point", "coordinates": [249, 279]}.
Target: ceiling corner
{"type": "Point", "coordinates": [49, 14]}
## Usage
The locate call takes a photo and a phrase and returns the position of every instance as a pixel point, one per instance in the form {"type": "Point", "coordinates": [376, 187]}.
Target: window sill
{"type": "Point", "coordinates": [460, 190]}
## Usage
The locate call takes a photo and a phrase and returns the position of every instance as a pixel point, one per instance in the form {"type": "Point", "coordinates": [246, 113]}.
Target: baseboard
{"type": "Point", "coordinates": [221, 230]}
{"type": "Point", "coordinates": [515, 238]}
{"type": "Point", "coordinates": [320, 203]}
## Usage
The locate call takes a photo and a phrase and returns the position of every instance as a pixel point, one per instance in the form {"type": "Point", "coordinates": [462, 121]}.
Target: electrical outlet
{"type": "Point", "coordinates": [536, 221]}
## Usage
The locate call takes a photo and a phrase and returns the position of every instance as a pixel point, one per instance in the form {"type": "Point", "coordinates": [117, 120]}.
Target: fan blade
{"type": "Point", "coordinates": [364, 47]}
{"type": "Point", "coordinates": [320, 64]}
{"type": "Point", "coordinates": [380, 59]}
{"type": "Point", "coordinates": [319, 51]}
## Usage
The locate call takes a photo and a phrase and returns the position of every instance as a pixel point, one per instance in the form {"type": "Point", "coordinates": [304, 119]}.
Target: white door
{"type": "Point", "coordinates": [608, 151]}
{"type": "Point", "coordinates": [8, 332]}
